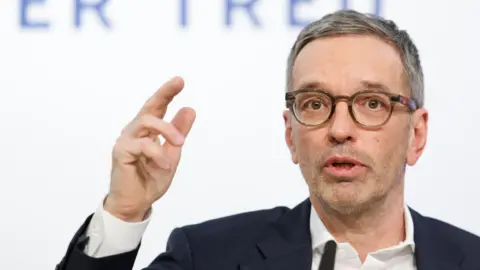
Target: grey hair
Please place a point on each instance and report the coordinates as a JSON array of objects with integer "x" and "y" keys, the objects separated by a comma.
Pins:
[{"x": 345, "y": 22}]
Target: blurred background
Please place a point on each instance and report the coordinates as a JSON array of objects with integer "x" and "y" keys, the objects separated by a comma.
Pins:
[{"x": 75, "y": 72}]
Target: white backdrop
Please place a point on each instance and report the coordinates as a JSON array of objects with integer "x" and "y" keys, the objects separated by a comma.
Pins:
[{"x": 66, "y": 92}]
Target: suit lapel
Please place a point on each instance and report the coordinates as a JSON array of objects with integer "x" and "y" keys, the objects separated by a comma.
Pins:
[
  {"x": 287, "y": 244},
  {"x": 433, "y": 249}
]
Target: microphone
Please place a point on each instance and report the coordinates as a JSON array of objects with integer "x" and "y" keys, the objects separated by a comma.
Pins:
[{"x": 328, "y": 257}]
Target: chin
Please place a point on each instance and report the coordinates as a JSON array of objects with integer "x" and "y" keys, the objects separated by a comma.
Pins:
[
  {"x": 344, "y": 198},
  {"x": 348, "y": 207}
]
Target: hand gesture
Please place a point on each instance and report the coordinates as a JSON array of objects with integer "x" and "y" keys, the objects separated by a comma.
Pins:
[{"x": 143, "y": 167}]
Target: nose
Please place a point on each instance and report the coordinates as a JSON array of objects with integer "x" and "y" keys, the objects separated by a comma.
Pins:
[{"x": 341, "y": 128}]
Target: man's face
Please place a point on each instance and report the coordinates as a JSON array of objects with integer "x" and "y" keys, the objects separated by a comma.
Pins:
[{"x": 340, "y": 66}]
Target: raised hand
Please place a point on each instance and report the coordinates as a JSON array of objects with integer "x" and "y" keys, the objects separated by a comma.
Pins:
[{"x": 142, "y": 167}]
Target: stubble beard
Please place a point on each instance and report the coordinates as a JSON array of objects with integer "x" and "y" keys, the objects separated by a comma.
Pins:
[
  {"x": 366, "y": 194},
  {"x": 360, "y": 198}
]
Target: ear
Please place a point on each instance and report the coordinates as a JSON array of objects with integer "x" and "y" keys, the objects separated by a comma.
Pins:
[
  {"x": 418, "y": 136},
  {"x": 287, "y": 117}
]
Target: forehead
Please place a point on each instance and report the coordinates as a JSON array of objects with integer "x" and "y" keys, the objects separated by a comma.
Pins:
[{"x": 343, "y": 64}]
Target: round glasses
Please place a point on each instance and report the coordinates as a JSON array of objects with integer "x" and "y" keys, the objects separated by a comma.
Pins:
[{"x": 369, "y": 108}]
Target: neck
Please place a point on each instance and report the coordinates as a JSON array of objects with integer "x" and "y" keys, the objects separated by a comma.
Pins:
[{"x": 383, "y": 221}]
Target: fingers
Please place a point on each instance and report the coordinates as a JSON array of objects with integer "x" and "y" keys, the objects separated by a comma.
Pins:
[
  {"x": 158, "y": 102},
  {"x": 129, "y": 150},
  {"x": 140, "y": 137},
  {"x": 183, "y": 122},
  {"x": 149, "y": 125}
]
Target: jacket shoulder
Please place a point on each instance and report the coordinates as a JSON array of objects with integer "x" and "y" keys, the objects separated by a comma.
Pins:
[
  {"x": 462, "y": 238},
  {"x": 219, "y": 240},
  {"x": 241, "y": 223}
]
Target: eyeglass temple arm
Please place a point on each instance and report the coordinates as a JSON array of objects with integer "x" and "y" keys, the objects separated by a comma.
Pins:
[
  {"x": 410, "y": 103},
  {"x": 289, "y": 99}
]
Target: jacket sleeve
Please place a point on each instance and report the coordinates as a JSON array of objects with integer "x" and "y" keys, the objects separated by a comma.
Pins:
[{"x": 176, "y": 257}]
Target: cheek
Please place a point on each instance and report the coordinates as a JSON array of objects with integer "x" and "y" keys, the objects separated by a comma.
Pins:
[
  {"x": 379, "y": 143},
  {"x": 308, "y": 141},
  {"x": 389, "y": 148}
]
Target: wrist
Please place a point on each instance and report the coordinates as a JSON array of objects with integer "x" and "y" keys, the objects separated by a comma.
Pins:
[{"x": 124, "y": 213}]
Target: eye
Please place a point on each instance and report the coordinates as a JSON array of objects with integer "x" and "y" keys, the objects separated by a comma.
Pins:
[
  {"x": 314, "y": 104},
  {"x": 373, "y": 104}
]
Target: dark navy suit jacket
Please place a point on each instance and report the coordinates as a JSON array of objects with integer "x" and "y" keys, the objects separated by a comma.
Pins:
[{"x": 276, "y": 239}]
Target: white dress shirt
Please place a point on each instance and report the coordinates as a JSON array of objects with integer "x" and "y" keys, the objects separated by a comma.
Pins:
[
  {"x": 110, "y": 235},
  {"x": 399, "y": 257}
]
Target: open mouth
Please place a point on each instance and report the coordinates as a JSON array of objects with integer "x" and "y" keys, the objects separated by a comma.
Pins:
[
  {"x": 342, "y": 162},
  {"x": 343, "y": 165}
]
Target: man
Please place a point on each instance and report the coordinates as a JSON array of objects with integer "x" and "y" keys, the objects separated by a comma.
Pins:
[{"x": 354, "y": 120}]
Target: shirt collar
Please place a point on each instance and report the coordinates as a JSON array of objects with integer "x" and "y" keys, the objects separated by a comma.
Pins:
[{"x": 320, "y": 234}]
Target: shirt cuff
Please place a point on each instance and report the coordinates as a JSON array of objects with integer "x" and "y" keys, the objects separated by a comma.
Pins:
[{"x": 109, "y": 235}]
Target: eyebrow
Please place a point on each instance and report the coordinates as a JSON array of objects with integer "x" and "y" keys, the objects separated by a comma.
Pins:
[
  {"x": 365, "y": 84},
  {"x": 312, "y": 85},
  {"x": 370, "y": 85}
]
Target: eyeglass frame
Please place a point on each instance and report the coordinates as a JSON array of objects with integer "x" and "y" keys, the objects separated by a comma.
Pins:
[{"x": 393, "y": 98}]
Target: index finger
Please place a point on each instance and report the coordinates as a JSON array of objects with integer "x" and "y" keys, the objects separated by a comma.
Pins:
[{"x": 158, "y": 102}]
